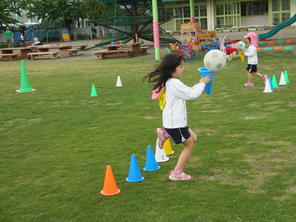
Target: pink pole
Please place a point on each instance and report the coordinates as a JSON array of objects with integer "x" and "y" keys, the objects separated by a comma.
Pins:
[{"x": 156, "y": 34}]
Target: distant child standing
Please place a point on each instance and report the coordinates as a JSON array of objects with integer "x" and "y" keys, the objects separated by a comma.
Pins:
[
  {"x": 8, "y": 35},
  {"x": 174, "y": 117},
  {"x": 251, "y": 53}
]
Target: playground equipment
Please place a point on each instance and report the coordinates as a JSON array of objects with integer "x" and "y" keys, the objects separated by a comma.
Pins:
[
  {"x": 131, "y": 20},
  {"x": 193, "y": 40},
  {"x": 278, "y": 27},
  {"x": 189, "y": 32},
  {"x": 186, "y": 49}
]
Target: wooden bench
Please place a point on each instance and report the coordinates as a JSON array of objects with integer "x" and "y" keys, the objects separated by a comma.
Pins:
[
  {"x": 144, "y": 50},
  {"x": 42, "y": 55},
  {"x": 114, "y": 53},
  {"x": 73, "y": 52},
  {"x": 81, "y": 47},
  {"x": 8, "y": 57}
]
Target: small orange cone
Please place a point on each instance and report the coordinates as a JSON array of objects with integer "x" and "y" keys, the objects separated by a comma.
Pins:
[{"x": 110, "y": 186}]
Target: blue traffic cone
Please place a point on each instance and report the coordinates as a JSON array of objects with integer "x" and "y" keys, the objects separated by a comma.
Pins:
[
  {"x": 134, "y": 174},
  {"x": 270, "y": 81},
  {"x": 151, "y": 164}
]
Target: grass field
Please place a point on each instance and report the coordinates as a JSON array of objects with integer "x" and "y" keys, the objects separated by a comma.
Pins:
[{"x": 57, "y": 141}]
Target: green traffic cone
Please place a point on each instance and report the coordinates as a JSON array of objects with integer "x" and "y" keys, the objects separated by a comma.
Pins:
[
  {"x": 286, "y": 76},
  {"x": 274, "y": 82},
  {"x": 93, "y": 91},
  {"x": 25, "y": 83}
]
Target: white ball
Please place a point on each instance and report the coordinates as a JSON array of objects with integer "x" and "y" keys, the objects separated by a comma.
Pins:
[{"x": 215, "y": 60}]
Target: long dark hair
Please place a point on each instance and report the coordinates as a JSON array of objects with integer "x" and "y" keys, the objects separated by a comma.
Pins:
[
  {"x": 164, "y": 70},
  {"x": 249, "y": 40}
]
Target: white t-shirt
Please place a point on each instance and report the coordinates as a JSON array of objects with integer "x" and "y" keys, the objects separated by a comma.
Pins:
[
  {"x": 174, "y": 114},
  {"x": 252, "y": 55}
]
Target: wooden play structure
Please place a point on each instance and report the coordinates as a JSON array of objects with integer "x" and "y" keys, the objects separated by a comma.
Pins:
[
  {"x": 189, "y": 32},
  {"x": 121, "y": 50}
]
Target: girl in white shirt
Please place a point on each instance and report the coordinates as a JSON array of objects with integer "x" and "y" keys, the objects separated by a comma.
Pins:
[
  {"x": 251, "y": 53},
  {"x": 174, "y": 116}
]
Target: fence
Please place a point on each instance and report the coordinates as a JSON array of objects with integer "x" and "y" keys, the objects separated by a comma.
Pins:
[
  {"x": 47, "y": 36},
  {"x": 89, "y": 32}
]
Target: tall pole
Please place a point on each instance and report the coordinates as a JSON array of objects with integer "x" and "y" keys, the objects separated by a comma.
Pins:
[
  {"x": 192, "y": 11},
  {"x": 135, "y": 27},
  {"x": 155, "y": 30}
]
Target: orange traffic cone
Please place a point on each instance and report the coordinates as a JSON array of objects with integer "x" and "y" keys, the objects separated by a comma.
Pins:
[{"x": 110, "y": 186}]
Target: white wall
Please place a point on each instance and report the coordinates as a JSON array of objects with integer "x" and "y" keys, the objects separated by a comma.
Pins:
[{"x": 254, "y": 20}]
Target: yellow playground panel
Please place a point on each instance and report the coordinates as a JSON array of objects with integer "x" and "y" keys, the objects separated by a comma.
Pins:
[
  {"x": 205, "y": 37},
  {"x": 189, "y": 31}
]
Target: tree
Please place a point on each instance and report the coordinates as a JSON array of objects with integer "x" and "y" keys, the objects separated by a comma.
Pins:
[
  {"x": 63, "y": 11},
  {"x": 93, "y": 9},
  {"x": 7, "y": 9}
]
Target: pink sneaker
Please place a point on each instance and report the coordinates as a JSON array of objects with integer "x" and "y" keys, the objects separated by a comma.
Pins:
[
  {"x": 162, "y": 136},
  {"x": 249, "y": 84},
  {"x": 179, "y": 175}
]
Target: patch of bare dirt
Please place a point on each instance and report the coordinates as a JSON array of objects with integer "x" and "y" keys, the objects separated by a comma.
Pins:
[
  {"x": 151, "y": 117},
  {"x": 277, "y": 143},
  {"x": 253, "y": 117},
  {"x": 212, "y": 111},
  {"x": 283, "y": 197},
  {"x": 114, "y": 104},
  {"x": 235, "y": 135}
]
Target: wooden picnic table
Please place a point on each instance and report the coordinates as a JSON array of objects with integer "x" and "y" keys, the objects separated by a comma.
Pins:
[
  {"x": 121, "y": 50},
  {"x": 112, "y": 47},
  {"x": 134, "y": 46},
  {"x": 63, "y": 50},
  {"x": 81, "y": 46},
  {"x": 23, "y": 51}
]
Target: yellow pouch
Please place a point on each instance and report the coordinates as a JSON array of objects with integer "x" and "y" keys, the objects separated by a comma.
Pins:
[
  {"x": 162, "y": 99},
  {"x": 241, "y": 55}
]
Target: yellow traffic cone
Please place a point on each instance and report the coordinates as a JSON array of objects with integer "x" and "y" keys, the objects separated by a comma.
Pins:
[{"x": 168, "y": 147}]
